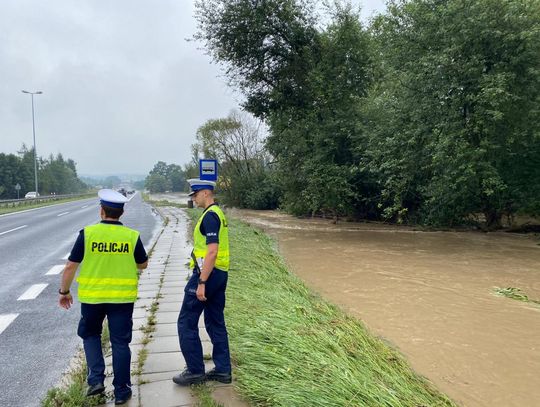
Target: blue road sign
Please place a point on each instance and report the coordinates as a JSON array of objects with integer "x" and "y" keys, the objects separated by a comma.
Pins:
[{"x": 208, "y": 169}]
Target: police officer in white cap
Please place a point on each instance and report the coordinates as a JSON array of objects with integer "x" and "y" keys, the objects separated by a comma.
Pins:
[
  {"x": 110, "y": 255},
  {"x": 205, "y": 291}
]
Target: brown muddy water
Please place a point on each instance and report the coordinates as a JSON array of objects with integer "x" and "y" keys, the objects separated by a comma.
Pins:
[{"x": 430, "y": 295}]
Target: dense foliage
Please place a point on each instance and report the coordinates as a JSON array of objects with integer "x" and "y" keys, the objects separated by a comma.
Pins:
[
  {"x": 454, "y": 121},
  {"x": 165, "y": 177},
  {"x": 55, "y": 175},
  {"x": 430, "y": 114}
]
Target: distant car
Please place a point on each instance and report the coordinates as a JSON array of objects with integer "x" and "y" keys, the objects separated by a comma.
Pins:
[{"x": 31, "y": 194}]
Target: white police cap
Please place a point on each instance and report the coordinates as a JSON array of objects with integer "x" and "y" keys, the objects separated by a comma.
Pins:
[
  {"x": 112, "y": 198},
  {"x": 197, "y": 184}
]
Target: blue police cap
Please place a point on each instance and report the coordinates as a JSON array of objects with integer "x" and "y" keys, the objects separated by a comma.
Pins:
[
  {"x": 197, "y": 184},
  {"x": 111, "y": 198}
]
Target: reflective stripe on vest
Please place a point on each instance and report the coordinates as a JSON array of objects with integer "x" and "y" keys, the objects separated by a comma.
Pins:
[
  {"x": 199, "y": 240},
  {"x": 108, "y": 270}
]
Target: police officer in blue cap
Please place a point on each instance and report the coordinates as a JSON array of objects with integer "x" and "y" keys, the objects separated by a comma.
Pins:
[
  {"x": 110, "y": 255},
  {"x": 205, "y": 291}
]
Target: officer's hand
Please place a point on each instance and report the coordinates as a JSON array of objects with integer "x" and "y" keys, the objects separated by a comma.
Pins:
[
  {"x": 201, "y": 288},
  {"x": 65, "y": 301}
]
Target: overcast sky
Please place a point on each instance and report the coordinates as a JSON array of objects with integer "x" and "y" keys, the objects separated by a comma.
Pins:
[{"x": 122, "y": 88}]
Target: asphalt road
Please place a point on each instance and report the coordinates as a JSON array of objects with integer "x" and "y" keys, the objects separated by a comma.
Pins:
[{"x": 37, "y": 337}]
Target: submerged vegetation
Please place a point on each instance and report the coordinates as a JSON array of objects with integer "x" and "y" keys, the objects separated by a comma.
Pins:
[{"x": 515, "y": 294}]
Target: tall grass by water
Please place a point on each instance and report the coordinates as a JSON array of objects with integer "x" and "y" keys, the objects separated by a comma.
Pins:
[{"x": 292, "y": 348}]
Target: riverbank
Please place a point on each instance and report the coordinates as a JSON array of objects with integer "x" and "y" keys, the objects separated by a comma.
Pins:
[
  {"x": 436, "y": 296},
  {"x": 292, "y": 348}
]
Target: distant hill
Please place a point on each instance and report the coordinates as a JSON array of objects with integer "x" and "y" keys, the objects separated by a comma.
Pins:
[{"x": 123, "y": 177}]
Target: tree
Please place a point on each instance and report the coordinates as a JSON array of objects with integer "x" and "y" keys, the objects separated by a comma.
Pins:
[
  {"x": 454, "y": 120},
  {"x": 236, "y": 142},
  {"x": 165, "y": 177},
  {"x": 156, "y": 183},
  {"x": 267, "y": 47},
  {"x": 55, "y": 174},
  {"x": 177, "y": 177},
  {"x": 307, "y": 85}
]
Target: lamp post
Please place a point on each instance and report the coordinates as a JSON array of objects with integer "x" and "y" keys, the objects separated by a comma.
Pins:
[{"x": 34, "y": 134}]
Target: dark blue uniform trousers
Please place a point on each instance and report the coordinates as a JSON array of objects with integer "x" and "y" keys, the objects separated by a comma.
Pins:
[
  {"x": 214, "y": 321},
  {"x": 120, "y": 318}
]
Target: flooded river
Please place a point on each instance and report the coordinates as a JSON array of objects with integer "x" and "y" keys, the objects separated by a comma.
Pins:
[{"x": 430, "y": 294}]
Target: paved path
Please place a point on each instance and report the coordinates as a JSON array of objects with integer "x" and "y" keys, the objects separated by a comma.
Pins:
[{"x": 163, "y": 282}]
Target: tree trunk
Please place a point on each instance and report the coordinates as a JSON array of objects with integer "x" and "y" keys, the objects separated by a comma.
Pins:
[{"x": 493, "y": 219}]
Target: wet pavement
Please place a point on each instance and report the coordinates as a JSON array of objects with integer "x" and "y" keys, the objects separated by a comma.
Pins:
[
  {"x": 163, "y": 282},
  {"x": 431, "y": 295}
]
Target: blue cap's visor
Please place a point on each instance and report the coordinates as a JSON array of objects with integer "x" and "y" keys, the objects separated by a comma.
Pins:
[
  {"x": 197, "y": 188},
  {"x": 111, "y": 204}
]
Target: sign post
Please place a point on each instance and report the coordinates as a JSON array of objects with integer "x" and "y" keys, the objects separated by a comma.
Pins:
[
  {"x": 208, "y": 169},
  {"x": 17, "y": 188}
]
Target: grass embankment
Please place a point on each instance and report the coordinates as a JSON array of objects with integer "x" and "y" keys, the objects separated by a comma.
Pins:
[
  {"x": 292, "y": 348},
  {"x": 26, "y": 206}
]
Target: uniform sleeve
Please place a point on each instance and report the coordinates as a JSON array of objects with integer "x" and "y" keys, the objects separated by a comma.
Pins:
[
  {"x": 140, "y": 252},
  {"x": 77, "y": 252},
  {"x": 210, "y": 227}
]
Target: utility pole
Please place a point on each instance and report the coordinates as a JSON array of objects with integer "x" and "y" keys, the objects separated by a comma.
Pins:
[{"x": 34, "y": 134}]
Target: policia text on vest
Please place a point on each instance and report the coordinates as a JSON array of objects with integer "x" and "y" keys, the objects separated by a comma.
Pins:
[{"x": 111, "y": 247}]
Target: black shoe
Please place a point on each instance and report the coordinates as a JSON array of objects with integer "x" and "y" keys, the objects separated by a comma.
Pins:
[
  {"x": 186, "y": 378},
  {"x": 95, "y": 389},
  {"x": 218, "y": 376},
  {"x": 122, "y": 400}
]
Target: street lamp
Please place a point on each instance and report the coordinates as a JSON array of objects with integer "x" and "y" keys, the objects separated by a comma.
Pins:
[{"x": 34, "y": 134}]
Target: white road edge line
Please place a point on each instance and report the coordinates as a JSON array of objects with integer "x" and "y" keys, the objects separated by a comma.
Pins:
[
  {"x": 6, "y": 320},
  {"x": 55, "y": 270},
  {"x": 13, "y": 230},
  {"x": 62, "y": 214},
  {"x": 32, "y": 292}
]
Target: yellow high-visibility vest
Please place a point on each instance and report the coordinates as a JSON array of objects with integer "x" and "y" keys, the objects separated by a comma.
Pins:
[
  {"x": 108, "y": 270},
  {"x": 200, "y": 249}
]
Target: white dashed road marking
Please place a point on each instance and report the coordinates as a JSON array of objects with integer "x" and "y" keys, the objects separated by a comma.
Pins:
[
  {"x": 13, "y": 230},
  {"x": 32, "y": 292},
  {"x": 55, "y": 270},
  {"x": 66, "y": 256},
  {"x": 62, "y": 214},
  {"x": 5, "y": 320},
  {"x": 85, "y": 206}
]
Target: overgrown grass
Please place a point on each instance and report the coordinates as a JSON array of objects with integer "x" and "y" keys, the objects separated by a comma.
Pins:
[
  {"x": 515, "y": 294},
  {"x": 203, "y": 393},
  {"x": 73, "y": 394},
  {"x": 24, "y": 207},
  {"x": 292, "y": 348}
]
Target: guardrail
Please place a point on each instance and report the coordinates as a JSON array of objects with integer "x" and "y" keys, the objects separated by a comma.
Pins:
[{"x": 12, "y": 203}]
